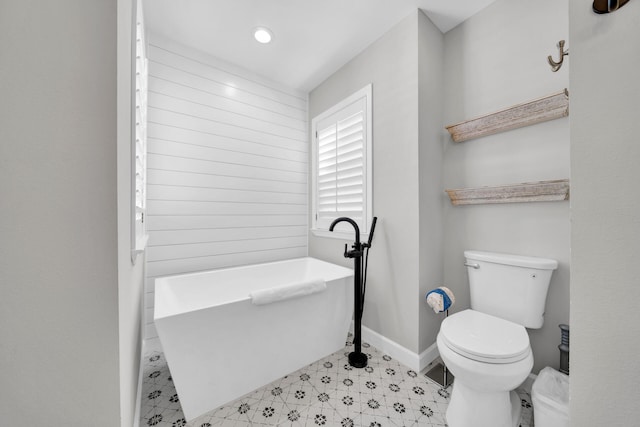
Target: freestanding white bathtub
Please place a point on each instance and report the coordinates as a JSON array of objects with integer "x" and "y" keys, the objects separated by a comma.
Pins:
[{"x": 220, "y": 346}]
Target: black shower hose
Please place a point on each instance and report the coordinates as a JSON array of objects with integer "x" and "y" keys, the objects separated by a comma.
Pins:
[{"x": 364, "y": 283}]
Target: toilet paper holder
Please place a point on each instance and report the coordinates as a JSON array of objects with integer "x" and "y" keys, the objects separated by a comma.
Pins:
[{"x": 439, "y": 372}]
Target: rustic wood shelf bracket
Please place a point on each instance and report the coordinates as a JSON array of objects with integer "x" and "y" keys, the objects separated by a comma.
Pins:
[
  {"x": 550, "y": 107},
  {"x": 543, "y": 191}
]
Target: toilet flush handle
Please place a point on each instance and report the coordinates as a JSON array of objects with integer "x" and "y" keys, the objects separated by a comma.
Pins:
[{"x": 476, "y": 266}]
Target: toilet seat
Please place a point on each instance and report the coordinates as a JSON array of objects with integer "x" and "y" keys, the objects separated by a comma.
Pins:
[{"x": 485, "y": 338}]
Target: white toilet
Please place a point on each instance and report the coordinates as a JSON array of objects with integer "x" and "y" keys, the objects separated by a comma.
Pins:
[{"x": 487, "y": 347}]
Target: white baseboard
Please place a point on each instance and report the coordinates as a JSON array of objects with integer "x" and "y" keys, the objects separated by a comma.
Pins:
[
  {"x": 428, "y": 356},
  {"x": 136, "y": 413},
  {"x": 417, "y": 362}
]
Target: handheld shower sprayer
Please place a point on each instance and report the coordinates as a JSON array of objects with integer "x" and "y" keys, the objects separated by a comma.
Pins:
[
  {"x": 357, "y": 359},
  {"x": 372, "y": 230}
]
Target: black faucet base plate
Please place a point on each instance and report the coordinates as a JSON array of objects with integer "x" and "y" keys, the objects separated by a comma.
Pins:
[{"x": 357, "y": 360}]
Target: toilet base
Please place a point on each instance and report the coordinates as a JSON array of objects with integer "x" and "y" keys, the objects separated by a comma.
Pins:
[{"x": 469, "y": 407}]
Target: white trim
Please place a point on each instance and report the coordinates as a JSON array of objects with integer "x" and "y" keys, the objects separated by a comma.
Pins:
[
  {"x": 148, "y": 346},
  {"x": 139, "y": 82},
  {"x": 141, "y": 245},
  {"x": 428, "y": 356},
  {"x": 366, "y": 93},
  {"x": 138, "y": 408},
  {"x": 392, "y": 348},
  {"x": 398, "y": 352},
  {"x": 338, "y": 234}
]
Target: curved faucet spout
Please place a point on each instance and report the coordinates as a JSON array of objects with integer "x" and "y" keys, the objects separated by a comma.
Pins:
[{"x": 350, "y": 221}]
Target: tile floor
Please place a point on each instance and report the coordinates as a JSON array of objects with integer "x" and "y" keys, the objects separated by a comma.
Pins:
[{"x": 326, "y": 393}]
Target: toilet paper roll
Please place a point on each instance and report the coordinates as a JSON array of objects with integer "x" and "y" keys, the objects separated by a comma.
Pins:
[{"x": 440, "y": 299}]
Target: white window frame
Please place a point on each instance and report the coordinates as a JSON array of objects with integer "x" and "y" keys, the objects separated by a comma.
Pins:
[
  {"x": 139, "y": 235},
  {"x": 344, "y": 230}
]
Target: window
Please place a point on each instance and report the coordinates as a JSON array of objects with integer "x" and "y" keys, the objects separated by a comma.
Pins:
[
  {"x": 138, "y": 151},
  {"x": 342, "y": 166}
]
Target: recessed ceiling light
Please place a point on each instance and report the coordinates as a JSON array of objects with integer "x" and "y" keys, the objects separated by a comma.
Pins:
[{"x": 263, "y": 35}]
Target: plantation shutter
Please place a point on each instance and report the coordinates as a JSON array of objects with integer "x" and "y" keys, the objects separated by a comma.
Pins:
[
  {"x": 141, "y": 136},
  {"x": 139, "y": 150},
  {"x": 341, "y": 166}
]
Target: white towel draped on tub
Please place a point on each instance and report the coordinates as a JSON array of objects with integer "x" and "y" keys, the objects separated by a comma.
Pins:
[{"x": 288, "y": 291}]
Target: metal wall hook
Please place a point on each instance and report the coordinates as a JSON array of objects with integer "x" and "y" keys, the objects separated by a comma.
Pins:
[
  {"x": 555, "y": 66},
  {"x": 607, "y": 6}
]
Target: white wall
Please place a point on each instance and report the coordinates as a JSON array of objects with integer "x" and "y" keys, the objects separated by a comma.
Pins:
[
  {"x": 605, "y": 235},
  {"x": 431, "y": 93},
  {"x": 58, "y": 223},
  {"x": 391, "y": 64},
  {"x": 496, "y": 59},
  {"x": 227, "y": 166}
]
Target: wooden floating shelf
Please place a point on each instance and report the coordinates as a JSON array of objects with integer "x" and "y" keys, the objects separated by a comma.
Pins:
[
  {"x": 540, "y": 110},
  {"x": 543, "y": 191}
]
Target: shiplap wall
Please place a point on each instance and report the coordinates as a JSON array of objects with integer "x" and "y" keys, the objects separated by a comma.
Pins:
[{"x": 227, "y": 167}]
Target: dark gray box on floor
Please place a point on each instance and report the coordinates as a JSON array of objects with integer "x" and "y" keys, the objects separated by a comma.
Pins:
[{"x": 440, "y": 375}]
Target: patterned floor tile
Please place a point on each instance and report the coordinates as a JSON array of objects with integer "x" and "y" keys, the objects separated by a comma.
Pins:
[{"x": 328, "y": 392}]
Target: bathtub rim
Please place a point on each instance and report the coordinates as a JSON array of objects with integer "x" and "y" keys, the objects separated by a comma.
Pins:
[{"x": 163, "y": 282}]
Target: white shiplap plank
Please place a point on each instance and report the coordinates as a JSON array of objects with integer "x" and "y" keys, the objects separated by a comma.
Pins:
[
  {"x": 222, "y": 168},
  {"x": 151, "y": 286},
  {"x": 201, "y": 180},
  {"x": 188, "y": 265},
  {"x": 161, "y": 72},
  {"x": 195, "y": 222},
  {"x": 200, "y": 250},
  {"x": 173, "y": 86},
  {"x": 192, "y": 62},
  {"x": 148, "y": 299},
  {"x": 176, "y": 237},
  {"x": 170, "y": 116},
  {"x": 170, "y": 148},
  {"x": 231, "y": 118},
  {"x": 227, "y": 167},
  {"x": 148, "y": 314},
  {"x": 166, "y": 132},
  {"x": 207, "y": 208},
  {"x": 174, "y": 192}
]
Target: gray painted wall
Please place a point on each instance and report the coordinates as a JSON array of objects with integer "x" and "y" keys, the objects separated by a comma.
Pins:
[
  {"x": 605, "y": 235},
  {"x": 496, "y": 59},
  {"x": 391, "y": 64},
  {"x": 59, "y": 345},
  {"x": 431, "y": 92}
]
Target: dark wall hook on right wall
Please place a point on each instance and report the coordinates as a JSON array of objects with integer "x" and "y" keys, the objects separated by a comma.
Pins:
[{"x": 607, "y": 6}]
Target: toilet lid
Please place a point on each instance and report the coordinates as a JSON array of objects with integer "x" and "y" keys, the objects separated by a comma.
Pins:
[{"x": 485, "y": 338}]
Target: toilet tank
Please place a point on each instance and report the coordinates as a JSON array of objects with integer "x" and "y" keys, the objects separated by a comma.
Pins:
[{"x": 511, "y": 287}]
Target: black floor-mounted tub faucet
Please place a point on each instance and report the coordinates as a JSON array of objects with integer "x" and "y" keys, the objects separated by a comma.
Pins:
[{"x": 357, "y": 358}]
